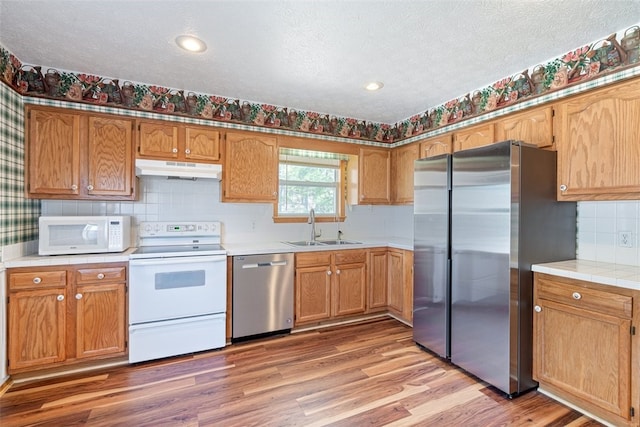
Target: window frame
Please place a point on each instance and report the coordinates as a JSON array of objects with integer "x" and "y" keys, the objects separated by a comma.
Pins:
[{"x": 303, "y": 218}]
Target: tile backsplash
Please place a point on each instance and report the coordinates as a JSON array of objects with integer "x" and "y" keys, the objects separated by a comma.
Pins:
[
  {"x": 163, "y": 199},
  {"x": 608, "y": 231}
]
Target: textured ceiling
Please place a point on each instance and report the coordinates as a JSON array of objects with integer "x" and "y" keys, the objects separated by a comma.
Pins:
[{"x": 311, "y": 55}]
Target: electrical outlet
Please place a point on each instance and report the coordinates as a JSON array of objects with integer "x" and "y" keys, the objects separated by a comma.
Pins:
[{"x": 625, "y": 239}]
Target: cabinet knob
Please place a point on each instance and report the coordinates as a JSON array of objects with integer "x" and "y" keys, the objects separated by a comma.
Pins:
[
  {"x": 187, "y": 151},
  {"x": 537, "y": 309},
  {"x": 74, "y": 187},
  {"x": 337, "y": 271},
  {"x": 60, "y": 297},
  {"x": 78, "y": 296},
  {"x": 90, "y": 187},
  {"x": 563, "y": 187},
  {"x": 576, "y": 295},
  {"x": 175, "y": 150},
  {"x": 100, "y": 276},
  {"x": 328, "y": 272},
  {"x": 37, "y": 280}
]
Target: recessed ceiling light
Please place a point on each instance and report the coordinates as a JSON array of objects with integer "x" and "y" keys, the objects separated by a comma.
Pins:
[
  {"x": 374, "y": 86},
  {"x": 191, "y": 43}
]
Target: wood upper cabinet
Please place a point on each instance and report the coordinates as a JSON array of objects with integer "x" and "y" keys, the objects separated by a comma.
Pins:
[
  {"x": 402, "y": 159},
  {"x": 250, "y": 172},
  {"x": 374, "y": 171},
  {"x": 330, "y": 284},
  {"x": 78, "y": 155},
  {"x": 597, "y": 141},
  {"x": 533, "y": 126},
  {"x": 202, "y": 144},
  {"x": 165, "y": 140},
  {"x": 441, "y": 144},
  {"x": 377, "y": 292},
  {"x": 584, "y": 350},
  {"x": 53, "y": 152},
  {"x": 110, "y": 157},
  {"x": 158, "y": 140},
  {"x": 64, "y": 315},
  {"x": 474, "y": 136}
]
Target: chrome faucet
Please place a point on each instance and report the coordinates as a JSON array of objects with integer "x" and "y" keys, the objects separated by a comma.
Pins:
[{"x": 312, "y": 221}]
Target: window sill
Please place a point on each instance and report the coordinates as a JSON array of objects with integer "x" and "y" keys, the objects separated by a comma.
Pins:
[{"x": 305, "y": 219}]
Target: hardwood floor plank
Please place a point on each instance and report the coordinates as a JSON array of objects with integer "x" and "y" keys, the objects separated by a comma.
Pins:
[{"x": 368, "y": 373}]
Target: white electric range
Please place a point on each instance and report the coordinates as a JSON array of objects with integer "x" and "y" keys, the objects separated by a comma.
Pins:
[{"x": 177, "y": 290}]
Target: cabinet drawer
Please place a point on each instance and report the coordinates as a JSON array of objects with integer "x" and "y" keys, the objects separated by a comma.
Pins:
[
  {"x": 585, "y": 298},
  {"x": 37, "y": 279},
  {"x": 350, "y": 257},
  {"x": 309, "y": 259},
  {"x": 105, "y": 274}
]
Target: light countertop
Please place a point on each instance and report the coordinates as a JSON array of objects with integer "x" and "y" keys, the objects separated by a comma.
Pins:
[
  {"x": 253, "y": 248},
  {"x": 36, "y": 260},
  {"x": 258, "y": 248},
  {"x": 623, "y": 276}
]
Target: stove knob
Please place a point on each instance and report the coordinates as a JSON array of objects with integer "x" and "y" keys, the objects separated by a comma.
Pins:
[
  {"x": 190, "y": 227},
  {"x": 205, "y": 227},
  {"x": 147, "y": 228},
  {"x": 213, "y": 227}
]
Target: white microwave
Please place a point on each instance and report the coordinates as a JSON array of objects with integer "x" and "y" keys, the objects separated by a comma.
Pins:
[{"x": 62, "y": 235}]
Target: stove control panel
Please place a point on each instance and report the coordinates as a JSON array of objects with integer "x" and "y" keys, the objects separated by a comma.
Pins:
[{"x": 167, "y": 229}]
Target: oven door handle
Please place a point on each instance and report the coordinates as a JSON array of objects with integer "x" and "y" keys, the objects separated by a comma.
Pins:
[{"x": 177, "y": 260}]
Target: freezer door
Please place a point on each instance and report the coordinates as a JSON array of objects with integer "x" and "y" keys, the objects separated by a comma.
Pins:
[
  {"x": 431, "y": 290},
  {"x": 481, "y": 241}
]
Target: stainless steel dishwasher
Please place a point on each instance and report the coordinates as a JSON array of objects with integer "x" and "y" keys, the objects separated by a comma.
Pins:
[{"x": 262, "y": 295}]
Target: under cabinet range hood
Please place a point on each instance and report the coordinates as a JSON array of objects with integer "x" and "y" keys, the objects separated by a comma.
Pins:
[{"x": 184, "y": 170}]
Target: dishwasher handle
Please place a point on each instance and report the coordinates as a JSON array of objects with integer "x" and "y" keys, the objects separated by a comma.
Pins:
[{"x": 264, "y": 264}]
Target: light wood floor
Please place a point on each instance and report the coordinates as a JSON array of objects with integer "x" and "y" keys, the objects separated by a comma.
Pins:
[{"x": 369, "y": 373}]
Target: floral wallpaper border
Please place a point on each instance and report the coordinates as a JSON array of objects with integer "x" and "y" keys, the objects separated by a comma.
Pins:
[{"x": 618, "y": 51}]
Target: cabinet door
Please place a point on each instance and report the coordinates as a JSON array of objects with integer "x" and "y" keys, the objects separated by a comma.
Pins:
[
  {"x": 202, "y": 144},
  {"x": 313, "y": 294},
  {"x": 374, "y": 175},
  {"x": 597, "y": 145},
  {"x": 250, "y": 172},
  {"x": 350, "y": 289},
  {"x": 441, "y": 144},
  {"x": 53, "y": 152},
  {"x": 37, "y": 327},
  {"x": 100, "y": 319},
  {"x": 395, "y": 282},
  {"x": 110, "y": 157},
  {"x": 158, "y": 140},
  {"x": 402, "y": 173},
  {"x": 585, "y": 353},
  {"x": 377, "y": 298},
  {"x": 534, "y": 126},
  {"x": 474, "y": 136}
]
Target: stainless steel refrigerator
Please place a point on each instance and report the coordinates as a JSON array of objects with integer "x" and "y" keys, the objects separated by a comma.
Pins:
[{"x": 481, "y": 218}]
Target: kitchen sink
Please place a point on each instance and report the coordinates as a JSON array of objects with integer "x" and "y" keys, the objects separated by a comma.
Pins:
[
  {"x": 323, "y": 242},
  {"x": 340, "y": 242},
  {"x": 306, "y": 243}
]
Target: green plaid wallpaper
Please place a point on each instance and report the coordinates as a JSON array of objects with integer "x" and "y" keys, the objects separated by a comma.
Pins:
[{"x": 18, "y": 215}]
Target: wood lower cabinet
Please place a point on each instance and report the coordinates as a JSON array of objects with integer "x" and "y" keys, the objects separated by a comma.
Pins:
[
  {"x": 585, "y": 349},
  {"x": 400, "y": 284},
  {"x": 474, "y": 136},
  {"x": 377, "y": 293},
  {"x": 164, "y": 140},
  {"x": 250, "y": 171},
  {"x": 402, "y": 160},
  {"x": 374, "y": 172},
  {"x": 330, "y": 284},
  {"x": 59, "y": 316},
  {"x": 597, "y": 142},
  {"x": 533, "y": 126},
  {"x": 78, "y": 155}
]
